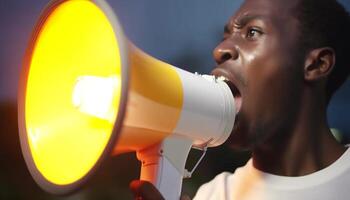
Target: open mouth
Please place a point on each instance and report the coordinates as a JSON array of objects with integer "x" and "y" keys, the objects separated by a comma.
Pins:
[{"x": 236, "y": 93}]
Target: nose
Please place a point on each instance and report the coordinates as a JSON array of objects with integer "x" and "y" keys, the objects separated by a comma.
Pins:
[{"x": 224, "y": 52}]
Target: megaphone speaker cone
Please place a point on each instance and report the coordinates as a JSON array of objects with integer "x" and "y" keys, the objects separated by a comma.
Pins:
[{"x": 64, "y": 131}]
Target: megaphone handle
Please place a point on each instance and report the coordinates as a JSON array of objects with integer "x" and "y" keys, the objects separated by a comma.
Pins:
[{"x": 163, "y": 165}]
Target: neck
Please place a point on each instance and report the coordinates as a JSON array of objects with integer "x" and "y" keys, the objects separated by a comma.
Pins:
[{"x": 308, "y": 147}]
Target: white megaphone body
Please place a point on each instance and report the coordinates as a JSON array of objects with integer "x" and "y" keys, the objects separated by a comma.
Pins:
[{"x": 86, "y": 92}]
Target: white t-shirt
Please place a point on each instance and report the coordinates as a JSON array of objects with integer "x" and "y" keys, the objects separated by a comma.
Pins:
[{"x": 248, "y": 183}]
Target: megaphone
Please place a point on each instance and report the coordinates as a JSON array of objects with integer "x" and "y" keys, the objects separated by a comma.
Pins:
[{"x": 86, "y": 93}]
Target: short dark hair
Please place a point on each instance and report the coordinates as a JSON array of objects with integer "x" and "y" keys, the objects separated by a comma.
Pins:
[{"x": 326, "y": 23}]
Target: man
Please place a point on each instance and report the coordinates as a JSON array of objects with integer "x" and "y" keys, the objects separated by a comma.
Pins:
[{"x": 286, "y": 58}]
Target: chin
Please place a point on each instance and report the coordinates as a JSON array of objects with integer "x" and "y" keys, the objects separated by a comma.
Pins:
[
  {"x": 240, "y": 140},
  {"x": 244, "y": 136}
]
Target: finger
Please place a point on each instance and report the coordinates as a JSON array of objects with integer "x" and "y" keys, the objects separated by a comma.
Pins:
[
  {"x": 185, "y": 197},
  {"x": 146, "y": 190}
]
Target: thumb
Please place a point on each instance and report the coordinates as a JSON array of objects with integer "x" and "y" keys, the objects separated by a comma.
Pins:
[{"x": 145, "y": 190}]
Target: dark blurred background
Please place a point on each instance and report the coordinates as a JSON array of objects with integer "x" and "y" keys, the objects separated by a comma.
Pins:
[{"x": 182, "y": 33}]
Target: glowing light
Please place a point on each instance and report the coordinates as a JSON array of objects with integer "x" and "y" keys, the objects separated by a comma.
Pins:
[
  {"x": 95, "y": 96},
  {"x": 76, "y": 40}
]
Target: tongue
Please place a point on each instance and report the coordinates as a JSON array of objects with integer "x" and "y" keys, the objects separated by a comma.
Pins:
[{"x": 238, "y": 103}]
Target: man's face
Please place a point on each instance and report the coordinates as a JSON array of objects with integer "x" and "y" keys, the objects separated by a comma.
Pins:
[{"x": 259, "y": 56}]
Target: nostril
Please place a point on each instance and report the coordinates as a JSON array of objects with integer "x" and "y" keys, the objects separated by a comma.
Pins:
[
  {"x": 226, "y": 56},
  {"x": 225, "y": 51},
  {"x": 223, "y": 55}
]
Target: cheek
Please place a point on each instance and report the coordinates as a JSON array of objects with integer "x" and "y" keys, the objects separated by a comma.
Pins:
[
  {"x": 273, "y": 87},
  {"x": 270, "y": 106}
]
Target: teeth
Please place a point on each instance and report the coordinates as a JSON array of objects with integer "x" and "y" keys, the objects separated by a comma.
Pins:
[
  {"x": 213, "y": 78},
  {"x": 221, "y": 78}
]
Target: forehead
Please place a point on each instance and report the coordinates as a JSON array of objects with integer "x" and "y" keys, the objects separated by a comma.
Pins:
[{"x": 273, "y": 10}]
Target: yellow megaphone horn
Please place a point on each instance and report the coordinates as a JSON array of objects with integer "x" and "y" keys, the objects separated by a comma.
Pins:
[{"x": 86, "y": 92}]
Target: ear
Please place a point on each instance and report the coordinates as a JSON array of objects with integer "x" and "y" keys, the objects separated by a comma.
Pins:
[{"x": 319, "y": 63}]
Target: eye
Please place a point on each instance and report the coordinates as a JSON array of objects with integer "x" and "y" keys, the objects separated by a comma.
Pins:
[{"x": 253, "y": 33}]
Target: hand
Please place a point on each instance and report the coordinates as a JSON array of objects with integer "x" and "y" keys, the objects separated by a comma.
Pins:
[{"x": 144, "y": 190}]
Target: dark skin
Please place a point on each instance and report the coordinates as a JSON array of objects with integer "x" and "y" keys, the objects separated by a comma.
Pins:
[{"x": 283, "y": 117}]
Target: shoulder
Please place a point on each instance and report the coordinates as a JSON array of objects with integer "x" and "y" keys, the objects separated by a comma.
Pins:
[
  {"x": 214, "y": 188},
  {"x": 219, "y": 187}
]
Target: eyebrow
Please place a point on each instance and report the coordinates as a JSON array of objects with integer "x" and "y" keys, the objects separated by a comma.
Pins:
[{"x": 242, "y": 21}]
